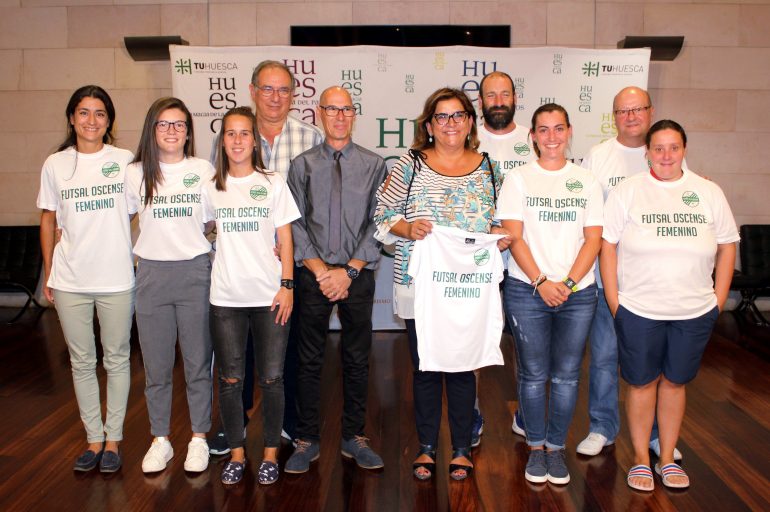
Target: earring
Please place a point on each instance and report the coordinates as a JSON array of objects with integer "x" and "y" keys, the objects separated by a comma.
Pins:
[{"x": 430, "y": 139}]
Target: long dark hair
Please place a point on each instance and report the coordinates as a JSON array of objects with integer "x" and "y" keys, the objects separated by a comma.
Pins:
[
  {"x": 222, "y": 163},
  {"x": 548, "y": 107},
  {"x": 147, "y": 153},
  {"x": 88, "y": 91},
  {"x": 421, "y": 140}
]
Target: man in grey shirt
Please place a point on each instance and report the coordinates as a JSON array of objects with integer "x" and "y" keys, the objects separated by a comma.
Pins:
[{"x": 334, "y": 185}]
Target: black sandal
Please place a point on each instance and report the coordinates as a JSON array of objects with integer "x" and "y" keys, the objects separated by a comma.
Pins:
[
  {"x": 457, "y": 453},
  {"x": 430, "y": 467}
]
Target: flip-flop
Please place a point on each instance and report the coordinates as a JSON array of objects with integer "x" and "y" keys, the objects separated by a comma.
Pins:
[
  {"x": 640, "y": 471},
  {"x": 670, "y": 470}
]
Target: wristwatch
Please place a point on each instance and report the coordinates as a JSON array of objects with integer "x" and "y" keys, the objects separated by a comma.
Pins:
[
  {"x": 287, "y": 283},
  {"x": 571, "y": 284},
  {"x": 351, "y": 271}
]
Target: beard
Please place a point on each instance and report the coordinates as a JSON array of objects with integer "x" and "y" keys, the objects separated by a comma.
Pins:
[{"x": 498, "y": 117}]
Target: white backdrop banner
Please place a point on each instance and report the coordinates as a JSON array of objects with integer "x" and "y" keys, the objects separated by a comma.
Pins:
[{"x": 389, "y": 86}]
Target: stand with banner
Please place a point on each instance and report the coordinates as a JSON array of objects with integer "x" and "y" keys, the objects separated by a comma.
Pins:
[{"x": 389, "y": 86}]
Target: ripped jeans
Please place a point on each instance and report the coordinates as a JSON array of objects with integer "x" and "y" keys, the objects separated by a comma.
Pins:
[
  {"x": 550, "y": 343},
  {"x": 229, "y": 328}
]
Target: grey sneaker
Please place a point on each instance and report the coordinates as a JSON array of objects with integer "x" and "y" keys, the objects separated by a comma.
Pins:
[
  {"x": 557, "y": 467},
  {"x": 536, "y": 471},
  {"x": 358, "y": 448},
  {"x": 305, "y": 453}
]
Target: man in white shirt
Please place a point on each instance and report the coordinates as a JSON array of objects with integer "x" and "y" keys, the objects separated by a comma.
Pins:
[
  {"x": 508, "y": 144},
  {"x": 282, "y": 138},
  {"x": 612, "y": 161},
  {"x": 500, "y": 136}
]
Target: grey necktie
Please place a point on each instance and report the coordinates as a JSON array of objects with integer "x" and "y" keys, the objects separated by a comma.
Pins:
[{"x": 335, "y": 206}]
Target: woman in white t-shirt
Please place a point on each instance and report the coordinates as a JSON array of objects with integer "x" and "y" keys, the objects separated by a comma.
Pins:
[
  {"x": 82, "y": 192},
  {"x": 553, "y": 210},
  {"x": 173, "y": 275},
  {"x": 666, "y": 232},
  {"x": 250, "y": 286}
]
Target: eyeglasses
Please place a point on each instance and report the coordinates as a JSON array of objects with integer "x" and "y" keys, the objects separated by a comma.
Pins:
[
  {"x": 332, "y": 110},
  {"x": 457, "y": 117},
  {"x": 636, "y": 110},
  {"x": 179, "y": 126},
  {"x": 268, "y": 90}
]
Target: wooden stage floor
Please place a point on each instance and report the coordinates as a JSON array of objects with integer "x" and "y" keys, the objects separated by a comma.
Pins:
[{"x": 725, "y": 441}]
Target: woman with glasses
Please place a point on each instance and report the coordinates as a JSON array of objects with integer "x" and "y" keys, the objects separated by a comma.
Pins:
[
  {"x": 443, "y": 180},
  {"x": 666, "y": 232},
  {"x": 250, "y": 286},
  {"x": 173, "y": 274},
  {"x": 81, "y": 193},
  {"x": 553, "y": 210}
]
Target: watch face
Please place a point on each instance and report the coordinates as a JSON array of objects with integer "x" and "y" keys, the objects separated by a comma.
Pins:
[{"x": 352, "y": 272}]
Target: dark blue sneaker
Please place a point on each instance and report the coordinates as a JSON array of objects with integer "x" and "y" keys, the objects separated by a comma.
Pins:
[{"x": 478, "y": 428}]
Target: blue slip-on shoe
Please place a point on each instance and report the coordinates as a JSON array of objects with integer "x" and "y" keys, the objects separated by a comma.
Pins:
[
  {"x": 233, "y": 472},
  {"x": 111, "y": 461},
  {"x": 88, "y": 460},
  {"x": 478, "y": 428},
  {"x": 268, "y": 472}
]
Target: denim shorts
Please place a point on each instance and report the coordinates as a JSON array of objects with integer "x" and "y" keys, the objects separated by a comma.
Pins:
[{"x": 647, "y": 348}]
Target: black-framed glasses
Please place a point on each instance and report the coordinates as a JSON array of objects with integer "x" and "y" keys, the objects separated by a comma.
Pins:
[
  {"x": 332, "y": 110},
  {"x": 268, "y": 90},
  {"x": 179, "y": 126},
  {"x": 622, "y": 112},
  {"x": 457, "y": 117}
]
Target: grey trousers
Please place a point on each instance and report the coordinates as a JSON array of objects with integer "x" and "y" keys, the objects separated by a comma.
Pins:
[{"x": 173, "y": 297}]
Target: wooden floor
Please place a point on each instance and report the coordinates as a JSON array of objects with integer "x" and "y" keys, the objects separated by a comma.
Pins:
[{"x": 725, "y": 441}]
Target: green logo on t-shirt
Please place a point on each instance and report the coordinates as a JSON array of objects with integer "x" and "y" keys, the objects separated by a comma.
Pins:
[
  {"x": 258, "y": 192},
  {"x": 481, "y": 257},
  {"x": 521, "y": 149},
  {"x": 110, "y": 169},
  {"x": 690, "y": 198},
  {"x": 574, "y": 185},
  {"x": 190, "y": 180}
]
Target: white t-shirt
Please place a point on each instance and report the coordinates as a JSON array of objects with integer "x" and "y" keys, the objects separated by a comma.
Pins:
[
  {"x": 457, "y": 307},
  {"x": 246, "y": 272},
  {"x": 511, "y": 150},
  {"x": 667, "y": 235},
  {"x": 612, "y": 162},
  {"x": 554, "y": 206},
  {"x": 94, "y": 253},
  {"x": 171, "y": 227}
]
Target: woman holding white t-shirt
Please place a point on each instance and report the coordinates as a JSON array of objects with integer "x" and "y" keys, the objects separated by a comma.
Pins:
[
  {"x": 173, "y": 275},
  {"x": 250, "y": 286},
  {"x": 82, "y": 192},
  {"x": 553, "y": 211},
  {"x": 666, "y": 232}
]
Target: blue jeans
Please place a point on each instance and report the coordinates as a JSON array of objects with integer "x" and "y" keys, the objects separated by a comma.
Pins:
[
  {"x": 603, "y": 376},
  {"x": 549, "y": 347}
]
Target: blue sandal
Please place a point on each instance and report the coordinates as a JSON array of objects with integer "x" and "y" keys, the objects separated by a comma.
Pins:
[
  {"x": 268, "y": 472},
  {"x": 454, "y": 468},
  {"x": 233, "y": 472}
]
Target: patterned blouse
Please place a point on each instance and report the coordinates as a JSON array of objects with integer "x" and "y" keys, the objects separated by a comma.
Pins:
[{"x": 415, "y": 191}]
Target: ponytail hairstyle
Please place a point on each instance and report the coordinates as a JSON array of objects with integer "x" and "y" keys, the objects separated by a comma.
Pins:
[{"x": 222, "y": 164}]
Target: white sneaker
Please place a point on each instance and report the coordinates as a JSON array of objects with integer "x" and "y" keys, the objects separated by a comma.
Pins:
[
  {"x": 197, "y": 455},
  {"x": 593, "y": 444},
  {"x": 655, "y": 446},
  {"x": 157, "y": 456}
]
